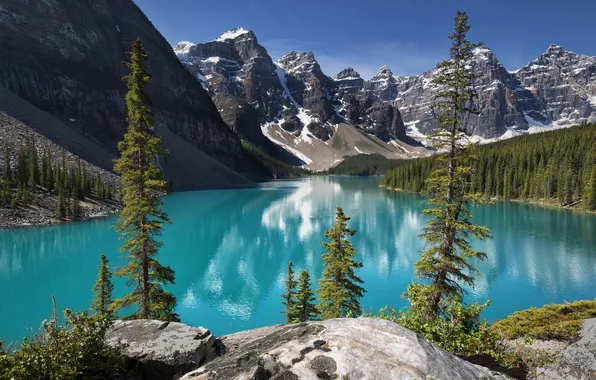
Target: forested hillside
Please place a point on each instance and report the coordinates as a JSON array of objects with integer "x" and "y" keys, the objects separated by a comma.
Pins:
[
  {"x": 364, "y": 164},
  {"x": 556, "y": 167}
]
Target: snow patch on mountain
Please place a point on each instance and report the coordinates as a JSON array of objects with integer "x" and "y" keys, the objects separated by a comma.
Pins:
[
  {"x": 305, "y": 135},
  {"x": 231, "y": 34},
  {"x": 182, "y": 48}
]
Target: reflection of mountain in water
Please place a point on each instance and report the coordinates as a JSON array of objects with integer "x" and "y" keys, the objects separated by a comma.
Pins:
[{"x": 230, "y": 249}]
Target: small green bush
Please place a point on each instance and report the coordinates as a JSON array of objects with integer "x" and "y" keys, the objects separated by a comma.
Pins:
[{"x": 73, "y": 351}]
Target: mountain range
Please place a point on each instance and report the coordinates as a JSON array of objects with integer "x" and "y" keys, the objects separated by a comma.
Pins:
[
  {"x": 60, "y": 78},
  {"x": 302, "y": 110}
]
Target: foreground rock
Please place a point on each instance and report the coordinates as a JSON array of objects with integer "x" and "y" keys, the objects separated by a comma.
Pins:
[
  {"x": 362, "y": 348},
  {"x": 162, "y": 350},
  {"x": 578, "y": 360}
]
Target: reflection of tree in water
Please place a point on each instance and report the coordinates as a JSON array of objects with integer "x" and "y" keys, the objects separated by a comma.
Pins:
[
  {"x": 230, "y": 248},
  {"x": 551, "y": 249},
  {"x": 236, "y": 260}
]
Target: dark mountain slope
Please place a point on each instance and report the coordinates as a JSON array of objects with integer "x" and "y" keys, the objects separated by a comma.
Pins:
[{"x": 64, "y": 57}]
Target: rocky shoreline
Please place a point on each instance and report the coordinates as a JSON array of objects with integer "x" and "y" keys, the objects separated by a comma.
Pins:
[{"x": 42, "y": 213}]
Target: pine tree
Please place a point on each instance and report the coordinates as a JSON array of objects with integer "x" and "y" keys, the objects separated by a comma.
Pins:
[
  {"x": 60, "y": 208},
  {"x": 33, "y": 166},
  {"x": 339, "y": 289},
  {"x": 590, "y": 190},
  {"x": 288, "y": 297},
  {"x": 7, "y": 172},
  {"x": 444, "y": 262},
  {"x": 77, "y": 209},
  {"x": 103, "y": 290},
  {"x": 304, "y": 308},
  {"x": 22, "y": 167},
  {"x": 141, "y": 219}
]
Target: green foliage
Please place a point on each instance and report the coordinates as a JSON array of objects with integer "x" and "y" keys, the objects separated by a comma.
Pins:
[
  {"x": 73, "y": 351},
  {"x": 277, "y": 168},
  {"x": 289, "y": 298},
  {"x": 60, "y": 207},
  {"x": 141, "y": 219},
  {"x": 33, "y": 176},
  {"x": 363, "y": 165},
  {"x": 444, "y": 261},
  {"x": 460, "y": 330},
  {"x": 7, "y": 168},
  {"x": 548, "y": 322},
  {"x": 102, "y": 289},
  {"x": 304, "y": 308},
  {"x": 339, "y": 290},
  {"x": 553, "y": 167}
]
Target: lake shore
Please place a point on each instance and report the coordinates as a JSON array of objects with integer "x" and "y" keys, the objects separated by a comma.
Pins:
[
  {"x": 550, "y": 203},
  {"x": 42, "y": 213}
]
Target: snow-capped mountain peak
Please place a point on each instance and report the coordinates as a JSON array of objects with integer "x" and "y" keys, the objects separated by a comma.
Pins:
[
  {"x": 232, "y": 34},
  {"x": 384, "y": 71},
  {"x": 183, "y": 48}
]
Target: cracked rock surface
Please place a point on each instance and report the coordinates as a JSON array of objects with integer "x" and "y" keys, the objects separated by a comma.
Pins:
[{"x": 360, "y": 348}]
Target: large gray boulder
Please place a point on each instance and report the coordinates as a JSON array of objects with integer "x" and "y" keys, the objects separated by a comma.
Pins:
[
  {"x": 362, "y": 348},
  {"x": 578, "y": 360},
  {"x": 162, "y": 350}
]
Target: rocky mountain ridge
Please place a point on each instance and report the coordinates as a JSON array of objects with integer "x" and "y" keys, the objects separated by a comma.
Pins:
[
  {"x": 299, "y": 108},
  {"x": 69, "y": 68},
  {"x": 557, "y": 89}
]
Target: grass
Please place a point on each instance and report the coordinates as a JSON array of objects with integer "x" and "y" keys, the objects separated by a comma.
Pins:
[{"x": 559, "y": 322}]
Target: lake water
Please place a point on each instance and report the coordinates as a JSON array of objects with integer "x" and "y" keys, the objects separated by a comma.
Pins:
[{"x": 230, "y": 249}]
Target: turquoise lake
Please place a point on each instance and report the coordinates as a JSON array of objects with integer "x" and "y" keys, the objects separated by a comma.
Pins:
[{"x": 230, "y": 249}]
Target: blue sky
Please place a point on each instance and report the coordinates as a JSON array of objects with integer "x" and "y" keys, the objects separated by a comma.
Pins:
[{"x": 408, "y": 36}]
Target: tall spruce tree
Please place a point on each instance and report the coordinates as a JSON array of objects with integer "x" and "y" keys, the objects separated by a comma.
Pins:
[
  {"x": 288, "y": 298},
  {"x": 60, "y": 206},
  {"x": 339, "y": 289},
  {"x": 7, "y": 171},
  {"x": 102, "y": 289},
  {"x": 33, "y": 162},
  {"x": 304, "y": 308},
  {"x": 589, "y": 197},
  {"x": 141, "y": 219},
  {"x": 444, "y": 263}
]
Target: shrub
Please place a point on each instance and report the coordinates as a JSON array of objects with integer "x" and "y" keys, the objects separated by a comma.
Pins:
[
  {"x": 75, "y": 350},
  {"x": 560, "y": 322}
]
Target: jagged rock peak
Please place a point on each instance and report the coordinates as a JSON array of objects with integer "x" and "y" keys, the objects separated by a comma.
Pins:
[
  {"x": 294, "y": 61},
  {"x": 346, "y": 74},
  {"x": 183, "y": 48},
  {"x": 555, "y": 50},
  {"x": 483, "y": 52},
  {"x": 384, "y": 71},
  {"x": 233, "y": 34}
]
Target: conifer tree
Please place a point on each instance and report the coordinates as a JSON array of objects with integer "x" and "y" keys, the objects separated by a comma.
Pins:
[
  {"x": 60, "y": 207},
  {"x": 304, "y": 308},
  {"x": 339, "y": 289},
  {"x": 590, "y": 190},
  {"x": 33, "y": 166},
  {"x": 288, "y": 298},
  {"x": 141, "y": 219},
  {"x": 7, "y": 172},
  {"x": 444, "y": 262},
  {"x": 22, "y": 167},
  {"x": 102, "y": 289}
]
